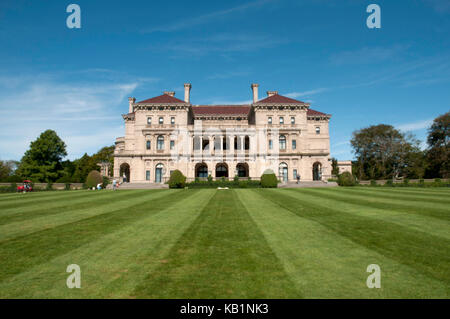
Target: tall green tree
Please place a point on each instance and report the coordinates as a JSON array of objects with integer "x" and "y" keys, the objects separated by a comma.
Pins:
[
  {"x": 438, "y": 147},
  {"x": 42, "y": 162},
  {"x": 384, "y": 152},
  {"x": 334, "y": 167}
]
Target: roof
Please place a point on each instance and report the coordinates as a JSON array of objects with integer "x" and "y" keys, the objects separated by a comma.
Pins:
[
  {"x": 312, "y": 112},
  {"x": 162, "y": 99},
  {"x": 279, "y": 99},
  {"x": 225, "y": 110}
]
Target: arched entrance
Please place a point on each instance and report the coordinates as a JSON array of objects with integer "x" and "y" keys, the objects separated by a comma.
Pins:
[
  {"x": 221, "y": 170},
  {"x": 317, "y": 171},
  {"x": 242, "y": 170},
  {"x": 201, "y": 170},
  {"x": 283, "y": 172},
  {"x": 159, "y": 170},
  {"x": 125, "y": 172}
]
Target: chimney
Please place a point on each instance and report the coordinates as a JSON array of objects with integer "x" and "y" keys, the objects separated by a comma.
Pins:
[
  {"x": 254, "y": 87},
  {"x": 131, "y": 100},
  {"x": 187, "y": 92},
  {"x": 170, "y": 93},
  {"x": 270, "y": 93}
]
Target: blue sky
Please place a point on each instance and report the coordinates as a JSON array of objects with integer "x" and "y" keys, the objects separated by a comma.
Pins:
[{"x": 76, "y": 81}]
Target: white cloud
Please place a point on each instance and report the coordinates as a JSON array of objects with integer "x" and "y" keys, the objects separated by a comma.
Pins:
[
  {"x": 85, "y": 115},
  {"x": 415, "y": 126},
  {"x": 305, "y": 93},
  {"x": 202, "y": 19}
]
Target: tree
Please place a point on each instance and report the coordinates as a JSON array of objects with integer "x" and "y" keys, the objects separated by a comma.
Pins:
[
  {"x": 438, "y": 147},
  {"x": 5, "y": 170},
  {"x": 334, "y": 166},
  {"x": 42, "y": 162},
  {"x": 384, "y": 152}
]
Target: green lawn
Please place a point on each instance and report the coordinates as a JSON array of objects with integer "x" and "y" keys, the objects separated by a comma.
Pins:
[{"x": 245, "y": 243}]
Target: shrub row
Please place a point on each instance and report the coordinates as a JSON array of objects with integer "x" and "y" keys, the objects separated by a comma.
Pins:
[{"x": 178, "y": 180}]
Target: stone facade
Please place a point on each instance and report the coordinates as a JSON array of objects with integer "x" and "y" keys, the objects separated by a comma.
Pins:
[{"x": 278, "y": 133}]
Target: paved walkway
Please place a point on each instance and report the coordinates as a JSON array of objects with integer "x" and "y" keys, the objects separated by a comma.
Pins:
[
  {"x": 287, "y": 185},
  {"x": 308, "y": 184}
]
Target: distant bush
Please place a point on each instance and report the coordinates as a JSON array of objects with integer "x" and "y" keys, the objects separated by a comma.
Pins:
[
  {"x": 177, "y": 179},
  {"x": 346, "y": 179},
  {"x": 373, "y": 182},
  {"x": 389, "y": 182},
  {"x": 105, "y": 182},
  {"x": 210, "y": 179},
  {"x": 269, "y": 179},
  {"x": 93, "y": 178},
  {"x": 49, "y": 187},
  {"x": 67, "y": 186}
]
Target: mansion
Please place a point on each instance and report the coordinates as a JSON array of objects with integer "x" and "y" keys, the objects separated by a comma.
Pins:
[{"x": 165, "y": 133}]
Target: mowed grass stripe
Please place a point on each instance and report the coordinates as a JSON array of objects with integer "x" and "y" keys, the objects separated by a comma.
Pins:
[
  {"x": 24, "y": 200},
  {"x": 21, "y": 253},
  {"x": 433, "y": 191},
  {"x": 40, "y": 223},
  {"x": 416, "y": 222},
  {"x": 422, "y": 251},
  {"x": 64, "y": 205},
  {"x": 114, "y": 264},
  {"x": 394, "y": 195},
  {"x": 324, "y": 264},
  {"x": 222, "y": 255},
  {"x": 438, "y": 211}
]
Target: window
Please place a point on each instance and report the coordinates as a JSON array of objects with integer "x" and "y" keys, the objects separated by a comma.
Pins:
[
  {"x": 161, "y": 120},
  {"x": 292, "y": 120},
  {"x": 147, "y": 145},
  {"x": 281, "y": 120},
  {"x": 172, "y": 145},
  {"x": 149, "y": 120},
  {"x": 172, "y": 120},
  {"x": 269, "y": 120},
  {"x": 294, "y": 174},
  {"x": 282, "y": 142},
  {"x": 147, "y": 175},
  {"x": 317, "y": 130},
  {"x": 270, "y": 145},
  {"x": 160, "y": 141},
  {"x": 294, "y": 144}
]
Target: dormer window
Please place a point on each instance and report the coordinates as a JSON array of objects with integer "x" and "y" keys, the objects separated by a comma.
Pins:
[{"x": 161, "y": 120}]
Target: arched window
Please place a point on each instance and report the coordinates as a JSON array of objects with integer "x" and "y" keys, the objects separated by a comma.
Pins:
[
  {"x": 201, "y": 170},
  {"x": 283, "y": 172},
  {"x": 160, "y": 142},
  {"x": 282, "y": 142}
]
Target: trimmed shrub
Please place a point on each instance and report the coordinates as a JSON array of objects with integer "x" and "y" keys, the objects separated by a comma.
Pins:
[
  {"x": 93, "y": 178},
  {"x": 389, "y": 183},
  {"x": 269, "y": 179},
  {"x": 346, "y": 179},
  {"x": 421, "y": 182},
  {"x": 405, "y": 182},
  {"x": 67, "y": 187},
  {"x": 177, "y": 179},
  {"x": 373, "y": 182},
  {"x": 49, "y": 186}
]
